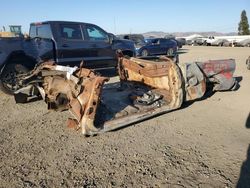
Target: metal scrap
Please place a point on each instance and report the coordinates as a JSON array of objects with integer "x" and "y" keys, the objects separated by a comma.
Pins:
[{"x": 146, "y": 88}]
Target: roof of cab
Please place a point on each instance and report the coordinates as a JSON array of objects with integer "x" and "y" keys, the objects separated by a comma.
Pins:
[{"x": 55, "y": 22}]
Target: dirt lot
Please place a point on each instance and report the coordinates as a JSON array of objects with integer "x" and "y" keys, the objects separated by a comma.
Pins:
[{"x": 205, "y": 144}]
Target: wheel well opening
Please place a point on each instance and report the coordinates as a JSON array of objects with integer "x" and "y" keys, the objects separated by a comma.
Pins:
[{"x": 22, "y": 59}]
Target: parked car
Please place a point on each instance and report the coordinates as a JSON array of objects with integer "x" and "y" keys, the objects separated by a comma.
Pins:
[
  {"x": 189, "y": 42},
  {"x": 229, "y": 43},
  {"x": 179, "y": 44},
  {"x": 138, "y": 39},
  {"x": 182, "y": 41},
  {"x": 192, "y": 42},
  {"x": 218, "y": 42},
  {"x": 67, "y": 43},
  {"x": 199, "y": 41},
  {"x": 157, "y": 46},
  {"x": 207, "y": 41},
  {"x": 243, "y": 43}
]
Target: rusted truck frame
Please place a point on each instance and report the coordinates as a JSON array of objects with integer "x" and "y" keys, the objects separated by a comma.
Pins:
[{"x": 147, "y": 88}]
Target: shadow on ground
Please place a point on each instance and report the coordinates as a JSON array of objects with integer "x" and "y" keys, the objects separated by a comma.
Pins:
[
  {"x": 248, "y": 122},
  {"x": 238, "y": 79},
  {"x": 244, "y": 179}
]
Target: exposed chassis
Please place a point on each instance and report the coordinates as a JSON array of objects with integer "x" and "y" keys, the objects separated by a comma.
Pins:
[{"x": 147, "y": 88}]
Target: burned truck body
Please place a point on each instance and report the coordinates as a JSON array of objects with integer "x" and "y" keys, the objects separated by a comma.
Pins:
[{"x": 146, "y": 88}]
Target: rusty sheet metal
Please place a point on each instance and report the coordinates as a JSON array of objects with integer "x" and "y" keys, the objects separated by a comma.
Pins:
[
  {"x": 146, "y": 67},
  {"x": 163, "y": 75},
  {"x": 220, "y": 73},
  {"x": 166, "y": 86},
  {"x": 146, "y": 89},
  {"x": 74, "y": 89},
  {"x": 194, "y": 81}
]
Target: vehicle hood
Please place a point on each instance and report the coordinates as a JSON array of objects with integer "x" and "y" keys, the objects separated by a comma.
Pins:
[
  {"x": 124, "y": 41},
  {"x": 123, "y": 44}
]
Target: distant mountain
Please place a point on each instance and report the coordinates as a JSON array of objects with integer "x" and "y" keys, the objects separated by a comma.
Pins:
[{"x": 184, "y": 34}]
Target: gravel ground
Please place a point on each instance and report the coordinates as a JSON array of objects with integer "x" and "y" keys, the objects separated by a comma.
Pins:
[{"x": 204, "y": 144}]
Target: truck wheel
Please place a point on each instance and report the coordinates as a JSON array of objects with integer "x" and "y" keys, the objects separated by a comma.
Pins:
[
  {"x": 8, "y": 83},
  {"x": 144, "y": 53},
  {"x": 170, "y": 52}
]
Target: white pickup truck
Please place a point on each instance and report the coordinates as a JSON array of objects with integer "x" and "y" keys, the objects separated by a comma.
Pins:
[
  {"x": 212, "y": 41},
  {"x": 220, "y": 40}
]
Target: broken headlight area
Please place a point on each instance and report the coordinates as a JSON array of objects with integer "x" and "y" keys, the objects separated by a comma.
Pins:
[{"x": 146, "y": 88}]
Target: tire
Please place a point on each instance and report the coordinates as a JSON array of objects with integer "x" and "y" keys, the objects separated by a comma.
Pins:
[
  {"x": 144, "y": 53},
  {"x": 170, "y": 52},
  {"x": 8, "y": 83}
]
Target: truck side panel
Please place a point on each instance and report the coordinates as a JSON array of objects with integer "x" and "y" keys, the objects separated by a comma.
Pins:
[
  {"x": 40, "y": 49},
  {"x": 20, "y": 49},
  {"x": 7, "y": 47}
]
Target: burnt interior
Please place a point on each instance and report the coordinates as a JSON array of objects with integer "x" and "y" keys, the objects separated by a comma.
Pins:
[{"x": 123, "y": 99}]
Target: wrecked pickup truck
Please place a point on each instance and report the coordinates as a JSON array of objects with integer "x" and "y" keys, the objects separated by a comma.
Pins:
[
  {"x": 66, "y": 43},
  {"x": 146, "y": 88}
]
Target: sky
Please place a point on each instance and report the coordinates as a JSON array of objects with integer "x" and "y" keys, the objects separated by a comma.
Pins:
[{"x": 130, "y": 16}]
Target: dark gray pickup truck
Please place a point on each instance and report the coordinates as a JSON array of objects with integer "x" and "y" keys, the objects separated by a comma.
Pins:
[{"x": 67, "y": 43}]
